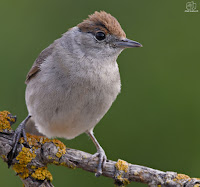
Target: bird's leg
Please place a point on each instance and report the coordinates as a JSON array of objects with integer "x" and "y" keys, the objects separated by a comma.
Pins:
[
  {"x": 100, "y": 153},
  {"x": 19, "y": 132}
]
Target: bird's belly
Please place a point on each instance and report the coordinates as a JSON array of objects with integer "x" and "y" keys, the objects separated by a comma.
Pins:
[{"x": 68, "y": 112}]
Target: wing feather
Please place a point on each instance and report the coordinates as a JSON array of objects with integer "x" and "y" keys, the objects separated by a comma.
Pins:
[{"x": 36, "y": 65}]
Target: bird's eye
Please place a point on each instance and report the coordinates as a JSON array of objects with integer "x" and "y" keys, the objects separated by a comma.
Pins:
[{"x": 100, "y": 36}]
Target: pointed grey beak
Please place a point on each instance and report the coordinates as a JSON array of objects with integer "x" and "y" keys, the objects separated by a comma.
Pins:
[{"x": 126, "y": 43}]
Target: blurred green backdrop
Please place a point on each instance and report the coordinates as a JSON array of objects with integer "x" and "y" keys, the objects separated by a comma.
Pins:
[{"x": 155, "y": 121}]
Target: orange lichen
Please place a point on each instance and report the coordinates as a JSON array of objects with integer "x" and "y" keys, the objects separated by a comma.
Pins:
[
  {"x": 5, "y": 120},
  {"x": 122, "y": 165},
  {"x": 41, "y": 174},
  {"x": 196, "y": 185}
]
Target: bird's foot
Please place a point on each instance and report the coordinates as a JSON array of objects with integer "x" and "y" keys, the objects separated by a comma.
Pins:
[
  {"x": 19, "y": 132},
  {"x": 102, "y": 159}
]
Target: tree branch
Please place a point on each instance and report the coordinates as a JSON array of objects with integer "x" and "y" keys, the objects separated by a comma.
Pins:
[{"x": 32, "y": 159}]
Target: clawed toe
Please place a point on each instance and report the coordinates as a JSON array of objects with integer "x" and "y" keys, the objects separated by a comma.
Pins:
[
  {"x": 100, "y": 153},
  {"x": 19, "y": 132},
  {"x": 102, "y": 159},
  {"x": 12, "y": 153}
]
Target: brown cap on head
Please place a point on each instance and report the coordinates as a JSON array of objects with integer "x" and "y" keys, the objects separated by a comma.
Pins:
[{"x": 104, "y": 22}]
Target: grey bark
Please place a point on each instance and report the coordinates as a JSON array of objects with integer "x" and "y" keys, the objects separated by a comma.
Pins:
[{"x": 121, "y": 171}]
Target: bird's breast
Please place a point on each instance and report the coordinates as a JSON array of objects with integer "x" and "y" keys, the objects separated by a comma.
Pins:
[{"x": 66, "y": 103}]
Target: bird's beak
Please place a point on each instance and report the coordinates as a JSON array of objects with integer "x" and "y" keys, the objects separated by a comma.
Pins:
[{"x": 126, "y": 43}]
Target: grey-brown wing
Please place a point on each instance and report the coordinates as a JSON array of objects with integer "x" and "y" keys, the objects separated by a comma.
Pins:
[{"x": 41, "y": 58}]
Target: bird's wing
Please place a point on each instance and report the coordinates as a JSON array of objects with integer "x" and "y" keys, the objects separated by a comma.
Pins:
[{"x": 36, "y": 65}]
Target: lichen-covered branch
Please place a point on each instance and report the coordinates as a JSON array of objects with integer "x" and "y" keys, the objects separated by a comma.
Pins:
[{"x": 32, "y": 159}]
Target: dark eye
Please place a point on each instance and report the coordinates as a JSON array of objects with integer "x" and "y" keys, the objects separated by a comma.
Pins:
[{"x": 100, "y": 36}]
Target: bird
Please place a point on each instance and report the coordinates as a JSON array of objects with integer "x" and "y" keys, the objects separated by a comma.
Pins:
[{"x": 74, "y": 81}]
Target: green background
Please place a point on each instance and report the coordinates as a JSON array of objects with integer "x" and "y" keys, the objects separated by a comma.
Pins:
[{"x": 155, "y": 120}]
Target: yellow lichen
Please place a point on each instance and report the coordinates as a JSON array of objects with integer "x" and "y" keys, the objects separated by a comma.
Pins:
[
  {"x": 56, "y": 163},
  {"x": 3, "y": 157},
  {"x": 5, "y": 121},
  {"x": 196, "y": 179},
  {"x": 37, "y": 141},
  {"x": 72, "y": 166},
  {"x": 122, "y": 165},
  {"x": 42, "y": 173},
  {"x": 21, "y": 170},
  {"x": 61, "y": 147},
  {"x": 181, "y": 177},
  {"x": 125, "y": 181},
  {"x": 33, "y": 167},
  {"x": 33, "y": 140},
  {"x": 24, "y": 157},
  {"x": 136, "y": 173}
]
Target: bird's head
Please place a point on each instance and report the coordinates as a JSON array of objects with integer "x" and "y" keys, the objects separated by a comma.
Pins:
[{"x": 101, "y": 35}]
